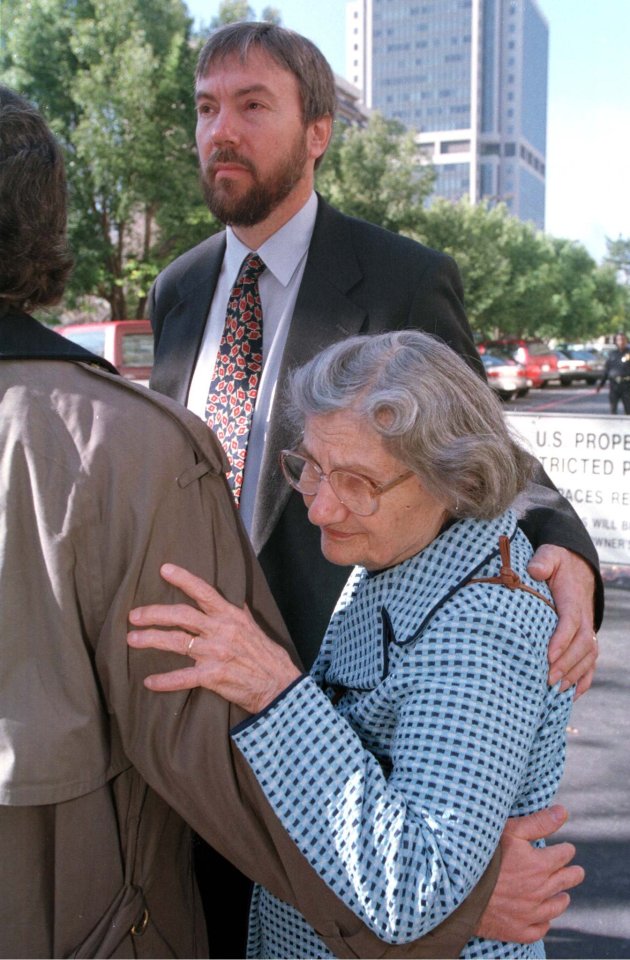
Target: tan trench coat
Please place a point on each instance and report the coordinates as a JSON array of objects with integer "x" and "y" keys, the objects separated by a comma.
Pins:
[{"x": 101, "y": 482}]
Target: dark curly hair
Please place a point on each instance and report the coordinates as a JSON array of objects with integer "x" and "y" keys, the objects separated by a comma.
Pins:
[{"x": 34, "y": 256}]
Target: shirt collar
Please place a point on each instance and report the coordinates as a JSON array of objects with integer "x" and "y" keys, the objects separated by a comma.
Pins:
[{"x": 283, "y": 251}]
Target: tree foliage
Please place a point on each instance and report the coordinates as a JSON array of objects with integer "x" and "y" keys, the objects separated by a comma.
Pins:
[
  {"x": 519, "y": 280},
  {"x": 272, "y": 15},
  {"x": 113, "y": 78},
  {"x": 233, "y": 11},
  {"x": 618, "y": 256},
  {"x": 373, "y": 173}
]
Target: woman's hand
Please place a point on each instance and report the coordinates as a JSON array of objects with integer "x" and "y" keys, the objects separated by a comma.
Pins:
[
  {"x": 232, "y": 655},
  {"x": 573, "y": 648}
]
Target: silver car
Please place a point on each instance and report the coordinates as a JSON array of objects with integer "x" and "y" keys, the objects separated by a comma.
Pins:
[
  {"x": 578, "y": 364},
  {"x": 505, "y": 376}
]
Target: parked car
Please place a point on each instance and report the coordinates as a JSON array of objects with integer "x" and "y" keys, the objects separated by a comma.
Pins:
[
  {"x": 505, "y": 376},
  {"x": 538, "y": 359},
  {"x": 128, "y": 344},
  {"x": 582, "y": 365}
]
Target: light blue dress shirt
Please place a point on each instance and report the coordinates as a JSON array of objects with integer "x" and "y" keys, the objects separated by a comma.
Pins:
[{"x": 284, "y": 255}]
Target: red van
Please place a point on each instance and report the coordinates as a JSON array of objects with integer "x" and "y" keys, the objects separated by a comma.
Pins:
[
  {"x": 538, "y": 359},
  {"x": 128, "y": 344}
]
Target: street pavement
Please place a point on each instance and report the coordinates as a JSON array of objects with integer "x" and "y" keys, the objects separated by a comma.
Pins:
[
  {"x": 578, "y": 398},
  {"x": 596, "y": 790}
]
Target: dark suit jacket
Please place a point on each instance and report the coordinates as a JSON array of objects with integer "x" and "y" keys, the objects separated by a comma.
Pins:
[{"x": 358, "y": 278}]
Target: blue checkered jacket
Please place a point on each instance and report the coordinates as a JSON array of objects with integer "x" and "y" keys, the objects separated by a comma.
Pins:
[{"x": 426, "y": 721}]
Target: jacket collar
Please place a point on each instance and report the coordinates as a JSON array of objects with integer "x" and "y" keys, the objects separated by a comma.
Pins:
[
  {"x": 23, "y": 338},
  {"x": 438, "y": 571},
  {"x": 394, "y": 606}
]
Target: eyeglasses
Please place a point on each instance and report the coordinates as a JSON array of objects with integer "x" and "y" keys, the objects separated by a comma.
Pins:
[{"x": 359, "y": 494}]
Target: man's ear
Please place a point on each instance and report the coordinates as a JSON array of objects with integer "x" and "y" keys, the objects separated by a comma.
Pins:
[{"x": 319, "y": 133}]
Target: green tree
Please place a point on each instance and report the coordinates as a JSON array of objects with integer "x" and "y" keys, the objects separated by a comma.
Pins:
[
  {"x": 613, "y": 297},
  {"x": 474, "y": 237},
  {"x": 115, "y": 84},
  {"x": 373, "y": 173},
  {"x": 504, "y": 264},
  {"x": 573, "y": 312},
  {"x": 272, "y": 15},
  {"x": 618, "y": 256},
  {"x": 233, "y": 11},
  {"x": 523, "y": 308},
  {"x": 519, "y": 281}
]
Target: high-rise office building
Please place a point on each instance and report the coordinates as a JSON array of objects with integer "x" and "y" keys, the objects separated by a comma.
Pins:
[{"x": 471, "y": 77}]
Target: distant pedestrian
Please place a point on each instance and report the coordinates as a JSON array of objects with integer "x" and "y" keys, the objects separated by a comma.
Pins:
[{"x": 617, "y": 373}]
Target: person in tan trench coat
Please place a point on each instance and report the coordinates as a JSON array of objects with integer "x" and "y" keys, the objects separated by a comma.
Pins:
[{"x": 100, "y": 482}]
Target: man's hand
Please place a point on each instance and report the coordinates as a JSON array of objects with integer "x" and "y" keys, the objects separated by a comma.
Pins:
[
  {"x": 530, "y": 890},
  {"x": 573, "y": 647}
]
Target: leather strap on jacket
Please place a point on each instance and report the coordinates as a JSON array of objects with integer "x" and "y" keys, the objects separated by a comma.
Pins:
[{"x": 508, "y": 577}]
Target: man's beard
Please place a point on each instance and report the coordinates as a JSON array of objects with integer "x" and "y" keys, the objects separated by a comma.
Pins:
[{"x": 239, "y": 209}]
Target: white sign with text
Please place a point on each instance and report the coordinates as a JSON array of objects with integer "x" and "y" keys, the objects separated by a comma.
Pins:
[{"x": 588, "y": 459}]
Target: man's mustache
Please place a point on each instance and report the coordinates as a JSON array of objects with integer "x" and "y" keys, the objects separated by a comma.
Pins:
[{"x": 227, "y": 156}]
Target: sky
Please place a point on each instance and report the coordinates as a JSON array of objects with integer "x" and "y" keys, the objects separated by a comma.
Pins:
[{"x": 588, "y": 122}]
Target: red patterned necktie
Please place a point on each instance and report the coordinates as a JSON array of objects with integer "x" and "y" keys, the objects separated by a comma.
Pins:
[{"x": 232, "y": 393}]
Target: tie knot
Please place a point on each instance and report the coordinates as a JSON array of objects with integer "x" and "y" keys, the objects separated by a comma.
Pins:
[{"x": 251, "y": 268}]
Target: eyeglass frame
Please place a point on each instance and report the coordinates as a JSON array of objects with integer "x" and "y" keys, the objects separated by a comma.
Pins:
[{"x": 377, "y": 489}]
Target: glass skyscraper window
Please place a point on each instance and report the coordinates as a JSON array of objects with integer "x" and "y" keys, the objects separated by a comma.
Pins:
[{"x": 492, "y": 91}]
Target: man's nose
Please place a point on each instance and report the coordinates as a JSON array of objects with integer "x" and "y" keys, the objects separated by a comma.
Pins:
[
  {"x": 325, "y": 507},
  {"x": 224, "y": 128}
]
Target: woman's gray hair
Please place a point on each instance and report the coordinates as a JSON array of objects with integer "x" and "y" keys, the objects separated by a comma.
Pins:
[{"x": 433, "y": 412}]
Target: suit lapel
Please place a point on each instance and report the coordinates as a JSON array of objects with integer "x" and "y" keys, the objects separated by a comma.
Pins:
[
  {"x": 323, "y": 314},
  {"x": 184, "y": 324}
]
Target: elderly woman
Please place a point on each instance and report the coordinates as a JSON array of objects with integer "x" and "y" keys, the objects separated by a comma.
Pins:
[{"x": 427, "y": 719}]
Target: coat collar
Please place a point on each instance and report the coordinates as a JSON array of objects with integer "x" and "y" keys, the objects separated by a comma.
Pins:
[
  {"x": 24, "y": 338},
  {"x": 395, "y": 605}
]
